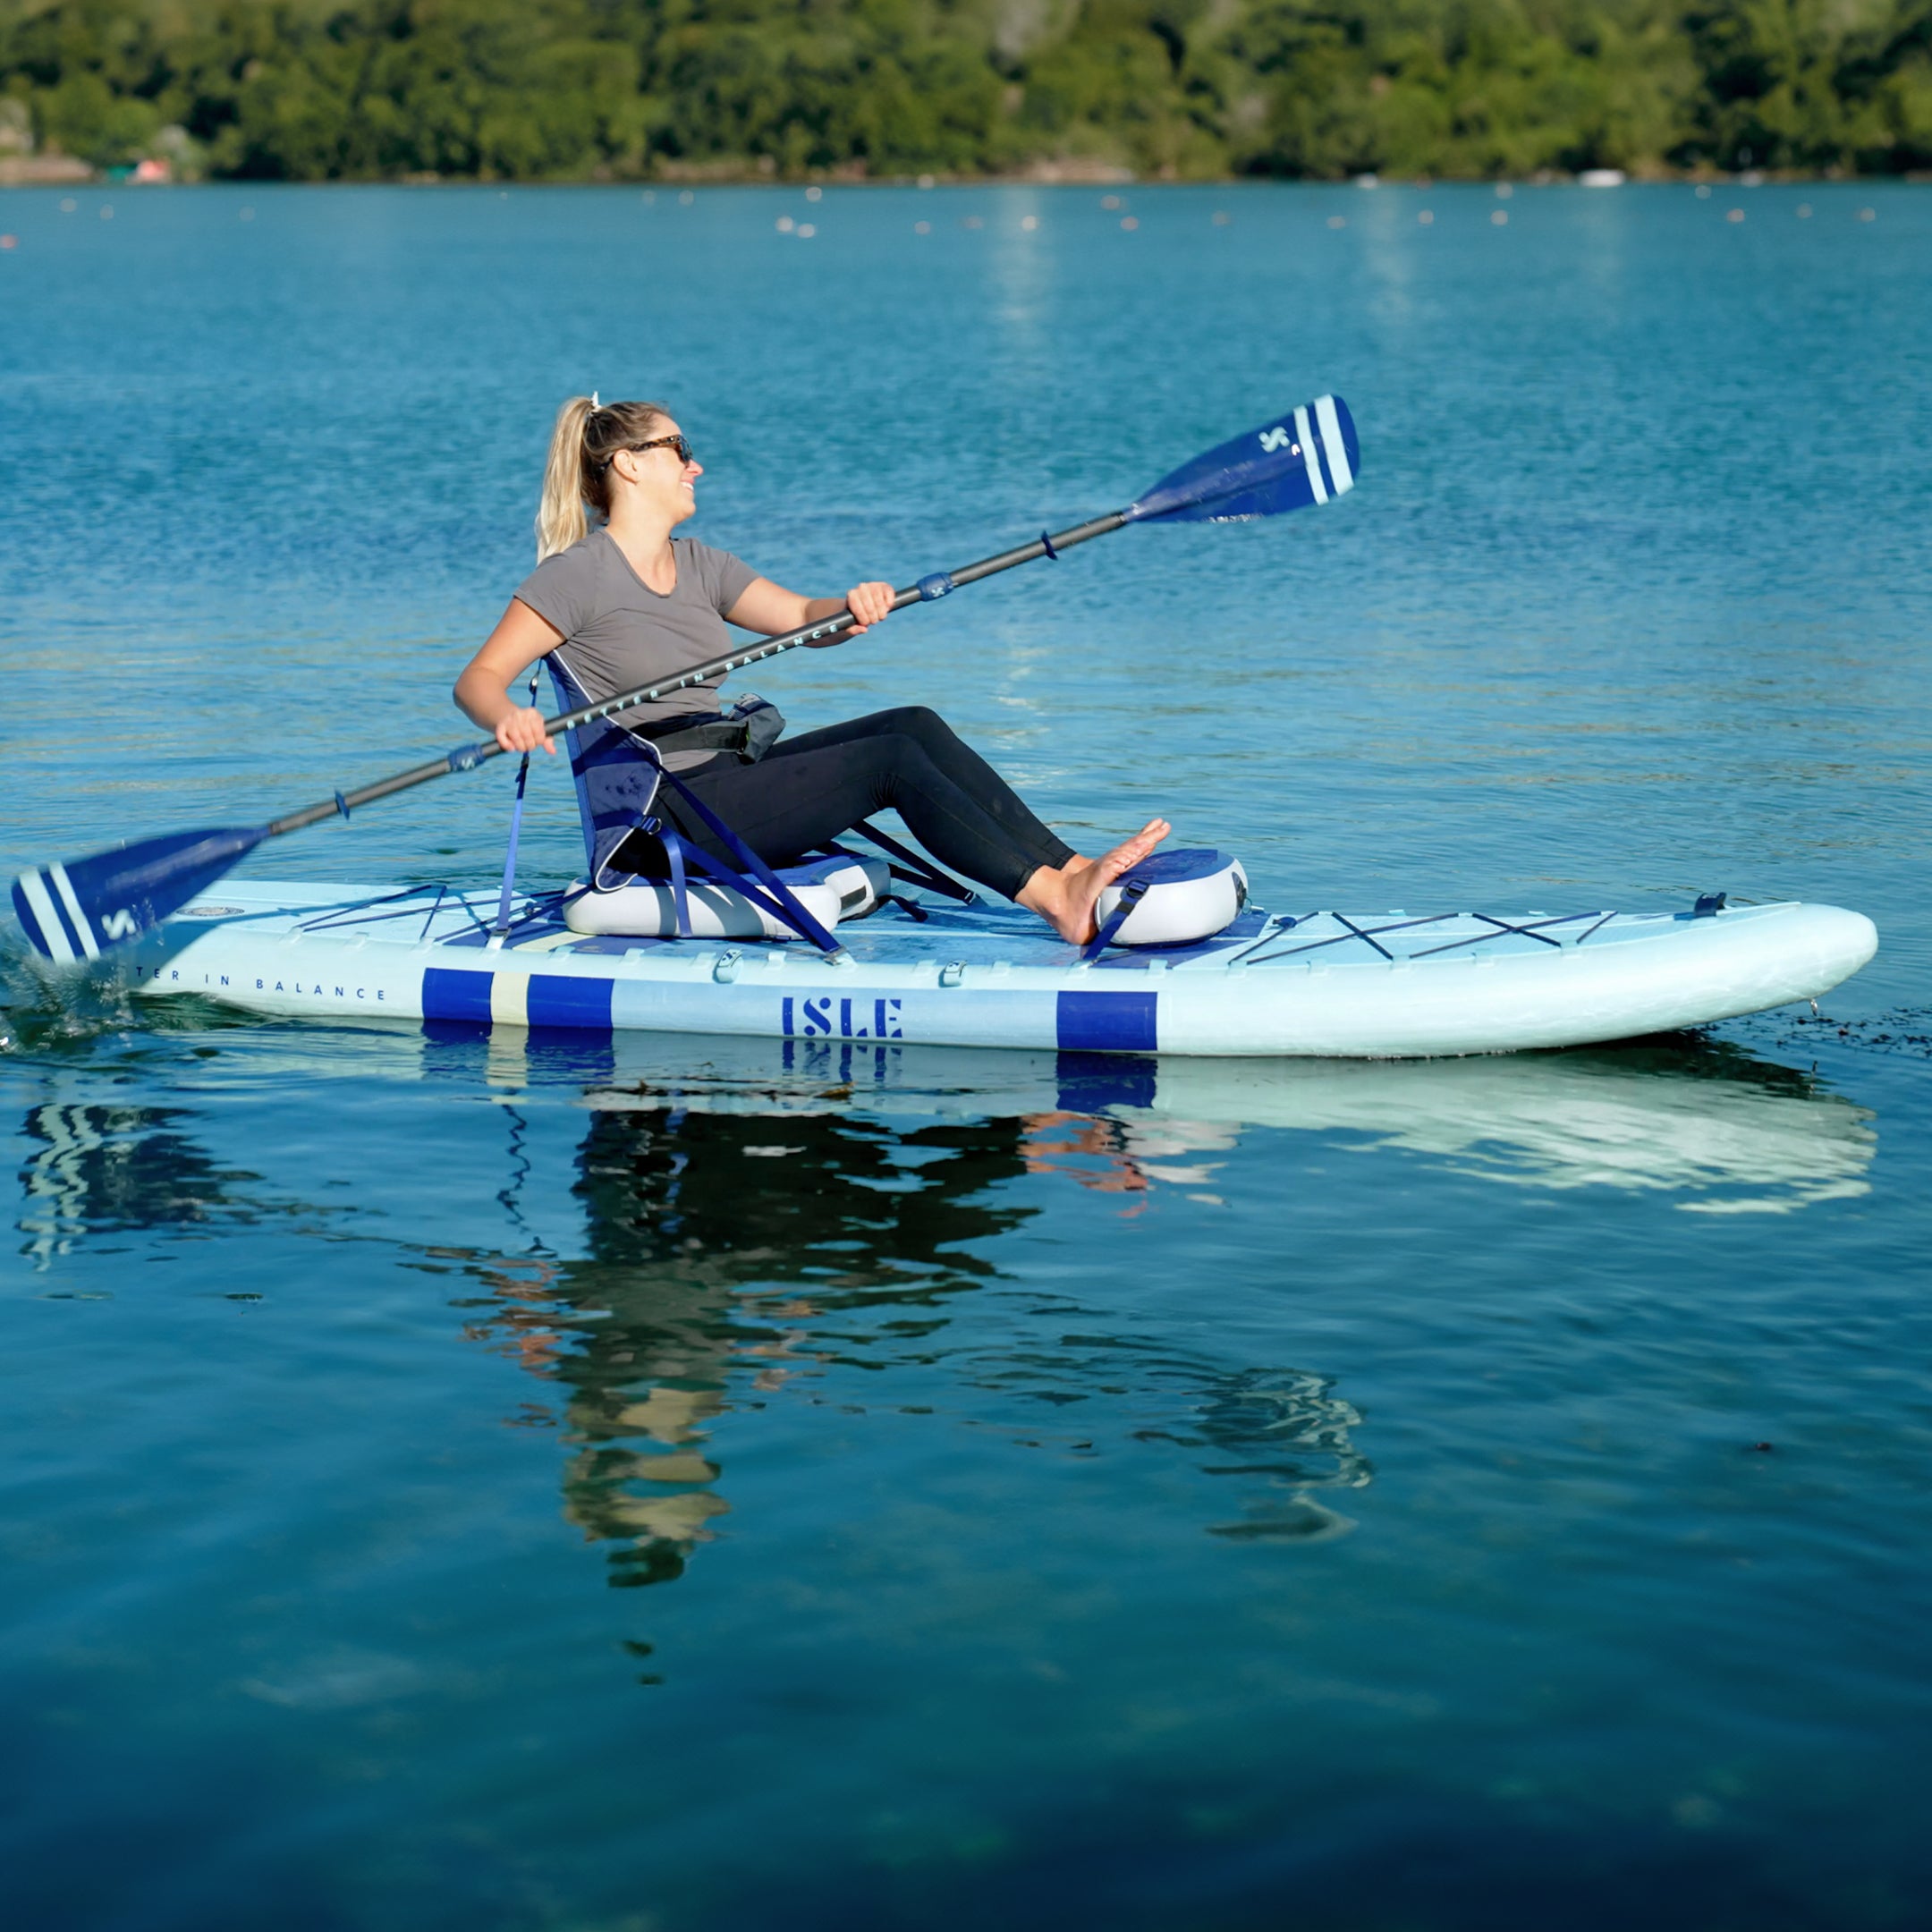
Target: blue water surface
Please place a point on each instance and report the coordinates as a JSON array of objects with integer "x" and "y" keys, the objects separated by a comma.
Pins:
[{"x": 526, "y": 1482}]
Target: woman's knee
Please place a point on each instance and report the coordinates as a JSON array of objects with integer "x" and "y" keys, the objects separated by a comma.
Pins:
[
  {"x": 898, "y": 752},
  {"x": 899, "y": 766},
  {"x": 917, "y": 722}
]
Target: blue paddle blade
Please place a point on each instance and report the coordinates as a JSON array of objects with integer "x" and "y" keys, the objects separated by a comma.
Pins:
[
  {"x": 1305, "y": 457},
  {"x": 76, "y": 911}
]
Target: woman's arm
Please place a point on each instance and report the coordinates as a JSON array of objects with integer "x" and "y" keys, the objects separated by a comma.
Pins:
[
  {"x": 482, "y": 693},
  {"x": 765, "y": 606}
]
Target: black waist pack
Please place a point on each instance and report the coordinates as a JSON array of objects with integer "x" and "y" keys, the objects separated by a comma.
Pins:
[{"x": 749, "y": 730}]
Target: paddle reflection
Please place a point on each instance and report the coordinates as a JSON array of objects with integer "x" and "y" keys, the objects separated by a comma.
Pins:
[{"x": 95, "y": 1169}]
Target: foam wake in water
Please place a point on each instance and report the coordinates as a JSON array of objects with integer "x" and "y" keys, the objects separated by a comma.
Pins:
[{"x": 45, "y": 1008}]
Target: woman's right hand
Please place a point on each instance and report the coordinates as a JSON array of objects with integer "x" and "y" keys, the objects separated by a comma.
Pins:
[{"x": 523, "y": 731}]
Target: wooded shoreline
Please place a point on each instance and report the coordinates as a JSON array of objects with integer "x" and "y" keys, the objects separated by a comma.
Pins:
[{"x": 692, "y": 91}]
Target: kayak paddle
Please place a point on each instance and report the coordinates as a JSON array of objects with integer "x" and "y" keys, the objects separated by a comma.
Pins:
[{"x": 78, "y": 909}]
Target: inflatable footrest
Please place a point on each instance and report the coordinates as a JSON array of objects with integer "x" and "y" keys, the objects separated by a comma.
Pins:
[{"x": 1172, "y": 898}]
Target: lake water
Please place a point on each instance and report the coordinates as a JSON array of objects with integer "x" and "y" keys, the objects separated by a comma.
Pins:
[{"x": 678, "y": 1485}]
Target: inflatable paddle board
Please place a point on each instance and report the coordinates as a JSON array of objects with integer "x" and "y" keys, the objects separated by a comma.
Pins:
[{"x": 1390, "y": 985}]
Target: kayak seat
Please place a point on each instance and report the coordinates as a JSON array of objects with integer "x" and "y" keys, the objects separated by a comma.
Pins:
[
  {"x": 619, "y": 775},
  {"x": 846, "y": 886}
]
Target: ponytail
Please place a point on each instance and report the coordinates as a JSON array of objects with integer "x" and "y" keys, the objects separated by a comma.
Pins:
[
  {"x": 577, "y": 474},
  {"x": 560, "y": 511}
]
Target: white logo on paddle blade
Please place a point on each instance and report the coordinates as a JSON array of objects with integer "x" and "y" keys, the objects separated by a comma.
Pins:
[
  {"x": 119, "y": 925},
  {"x": 1275, "y": 438}
]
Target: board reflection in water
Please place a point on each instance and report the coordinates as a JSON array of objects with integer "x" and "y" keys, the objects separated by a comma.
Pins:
[
  {"x": 743, "y": 1224},
  {"x": 1727, "y": 1132},
  {"x": 755, "y": 1217},
  {"x": 737, "y": 1257},
  {"x": 1723, "y": 1129}
]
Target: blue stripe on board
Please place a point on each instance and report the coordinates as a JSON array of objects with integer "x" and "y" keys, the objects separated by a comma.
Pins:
[
  {"x": 1107, "y": 1022},
  {"x": 450, "y": 993},
  {"x": 558, "y": 1000}
]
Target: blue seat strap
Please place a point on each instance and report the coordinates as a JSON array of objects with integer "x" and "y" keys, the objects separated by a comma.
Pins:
[
  {"x": 707, "y": 866},
  {"x": 925, "y": 873},
  {"x": 674, "y": 851},
  {"x": 774, "y": 895},
  {"x": 1134, "y": 891},
  {"x": 500, "y": 930}
]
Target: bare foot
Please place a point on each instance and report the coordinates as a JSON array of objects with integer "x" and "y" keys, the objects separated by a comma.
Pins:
[{"x": 1065, "y": 899}]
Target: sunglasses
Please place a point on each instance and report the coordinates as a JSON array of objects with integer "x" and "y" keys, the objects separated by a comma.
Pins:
[{"x": 676, "y": 442}]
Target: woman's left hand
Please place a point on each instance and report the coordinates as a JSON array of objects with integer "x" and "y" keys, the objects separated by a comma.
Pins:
[{"x": 871, "y": 604}]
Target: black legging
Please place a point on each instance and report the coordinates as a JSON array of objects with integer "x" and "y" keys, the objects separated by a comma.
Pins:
[{"x": 805, "y": 792}]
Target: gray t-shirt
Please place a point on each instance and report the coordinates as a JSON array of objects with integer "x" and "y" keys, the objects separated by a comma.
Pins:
[{"x": 619, "y": 633}]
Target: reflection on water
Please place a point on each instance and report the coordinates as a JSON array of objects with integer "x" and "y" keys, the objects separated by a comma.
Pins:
[
  {"x": 752, "y": 1217},
  {"x": 737, "y": 1255},
  {"x": 1727, "y": 1130},
  {"x": 100, "y": 1168},
  {"x": 714, "y": 1248},
  {"x": 751, "y": 1222},
  {"x": 1731, "y": 1132}
]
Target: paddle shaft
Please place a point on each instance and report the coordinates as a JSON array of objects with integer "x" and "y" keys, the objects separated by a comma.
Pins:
[{"x": 467, "y": 757}]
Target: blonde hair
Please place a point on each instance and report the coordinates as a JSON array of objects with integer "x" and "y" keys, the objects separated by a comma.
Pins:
[{"x": 577, "y": 475}]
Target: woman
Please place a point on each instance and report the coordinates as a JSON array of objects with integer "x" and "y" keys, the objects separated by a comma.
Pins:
[{"x": 631, "y": 604}]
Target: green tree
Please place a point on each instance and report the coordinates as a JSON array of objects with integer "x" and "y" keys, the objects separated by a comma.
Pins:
[{"x": 571, "y": 90}]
